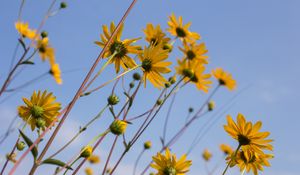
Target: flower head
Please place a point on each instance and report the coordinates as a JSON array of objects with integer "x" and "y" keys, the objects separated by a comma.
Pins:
[
  {"x": 247, "y": 134},
  {"x": 195, "y": 52},
  {"x": 176, "y": 28},
  {"x": 226, "y": 149},
  {"x": 45, "y": 50},
  {"x": 94, "y": 159},
  {"x": 224, "y": 78},
  {"x": 118, "y": 127},
  {"x": 206, "y": 155},
  {"x": 56, "y": 73},
  {"x": 25, "y": 31},
  {"x": 154, "y": 35},
  {"x": 169, "y": 165},
  {"x": 41, "y": 106},
  {"x": 153, "y": 65},
  {"x": 86, "y": 151},
  {"x": 120, "y": 49},
  {"x": 147, "y": 145},
  {"x": 88, "y": 171},
  {"x": 194, "y": 72},
  {"x": 250, "y": 161}
]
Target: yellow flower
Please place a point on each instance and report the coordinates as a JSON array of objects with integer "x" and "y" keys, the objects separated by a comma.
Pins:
[
  {"x": 94, "y": 159},
  {"x": 227, "y": 150},
  {"x": 247, "y": 134},
  {"x": 176, "y": 28},
  {"x": 169, "y": 165},
  {"x": 194, "y": 52},
  {"x": 206, "y": 155},
  {"x": 121, "y": 49},
  {"x": 255, "y": 162},
  {"x": 45, "y": 50},
  {"x": 194, "y": 72},
  {"x": 88, "y": 171},
  {"x": 154, "y": 35},
  {"x": 24, "y": 30},
  {"x": 152, "y": 65},
  {"x": 55, "y": 72},
  {"x": 41, "y": 108},
  {"x": 86, "y": 151},
  {"x": 224, "y": 78}
]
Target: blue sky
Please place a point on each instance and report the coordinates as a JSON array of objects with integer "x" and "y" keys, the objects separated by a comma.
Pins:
[{"x": 257, "y": 41}]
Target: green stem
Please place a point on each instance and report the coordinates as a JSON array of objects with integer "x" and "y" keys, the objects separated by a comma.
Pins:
[
  {"x": 235, "y": 153},
  {"x": 71, "y": 165}
]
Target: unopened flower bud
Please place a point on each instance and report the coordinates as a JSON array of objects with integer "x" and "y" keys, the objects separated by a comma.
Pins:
[
  {"x": 40, "y": 123},
  {"x": 11, "y": 157},
  {"x": 118, "y": 127},
  {"x": 86, "y": 151},
  {"x": 167, "y": 85},
  {"x": 63, "y": 5},
  {"x": 131, "y": 85},
  {"x": 113, "y": 100},
  {"x": 168, "y": 47},
  {"x": 172, "y": 80},
  {"x": 147, "y": 145},
  {"x": 159, "y": 102},
  {"x": 211, "y": 105},
  {"x": 136, "y": 76},
  {"x": 191, "y": 110},
  {"x": 44, "y": 34},
  {"x": 21, "y": 145}
]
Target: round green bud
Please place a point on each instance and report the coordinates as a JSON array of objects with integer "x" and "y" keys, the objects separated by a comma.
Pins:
[
  {"x": 21, "y": 145},
  {"x": 167, "y": 85},
  {"x": 147, "y": 145},
  {"x": 159, "y": 102},
  {"x": 168, "y": 47},
  {"x": 188, "y": 73},
  {"x": 172, "y": 80},
  {"x": 113, "y": 100},
  {"x": 44, "y": 34},
  {"x": 63, "y": 5},
  {"x": 191, "y": 110},
  {"x": 136, "y": 76},
  {"x": 131, "y": 85},
  {"x": 40, "y": 123},
  {"x": 211, "y": 105},
  {"x": 118, "y": 127}
]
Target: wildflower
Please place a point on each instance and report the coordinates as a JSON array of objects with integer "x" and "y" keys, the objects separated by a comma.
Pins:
[
  {"x": 152, "y": 65},
  {"x": 176, "y": 28},
  {"x": 24, "y": 30},
  {"x": 224, "y": 78},
  {"x": 206, "y": 155},
  {"x": 255, "y": 162},
  {"x": 45, "y": 50},
  {"x": 169, "y": 165},
  {"x": 118, "y": 127},
  {"x": 194, "y": 72},
  {"x": 120, "y": 49},
  {"x": 88, "y": 171},
  {"x": 194, "y": 52},
  {"x": 147, "y": 145},
  {"x": 154, "y": 35},
  {"x": 40, "y": 106},
  {"x": 86, "y": 151},
  {"x": 55, "y": 72},
  {"x": 247, "y": 134},
  {"x": 227, "y": 150},
  {"x": 113, "y": 99},
  {"x": 94, "y": 159}
]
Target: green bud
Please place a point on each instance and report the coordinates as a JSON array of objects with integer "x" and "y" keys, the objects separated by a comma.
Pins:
[
  {"x": 167, "y": 85},
  {"x": 188, "y": 73},
  {"x": 118, "y": 127},
  {"x": 113, "y": 100},
  {"x": 211, "y": 105},
  {"x": 136, "y": 76},
  {"x": 172, "y": 80},
  {"x": 159, "y": 102},
  {"x": 131, "y": 85},
  {"x": 191, "y": 110},
  {"x": 21, "y": 145},
  {"x": 63, "y": 5},
  {"x": 147, "y": 145},
  {"x": 40, "y": 123},
  {"x": 86, "y": 151},
  {"x": 44, "y": 34}
]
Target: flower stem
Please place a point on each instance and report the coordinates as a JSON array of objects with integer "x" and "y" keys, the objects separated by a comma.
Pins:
[{"x": 235, "y": 153}]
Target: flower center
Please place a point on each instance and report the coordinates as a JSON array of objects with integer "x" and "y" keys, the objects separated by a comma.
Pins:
[
  {"x": 118, "y": 48},
  {"x": 37, "y": 111},
  {"x": 222, "y": 82},
  {"x": 169, "y": 171},
  {"x": 147, "y": 64},
  {"x": 190, "y": 55},
  {"x": 180, "y": 32},
  {"x": 243, "y": 140},
  {"x": 154, "y": 41}
]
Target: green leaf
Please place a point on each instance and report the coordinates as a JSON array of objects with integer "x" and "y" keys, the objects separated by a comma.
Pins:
[
  {"x": 27, "y": 62},
  {"x": 56, "y": 162},
  {"x": 34, "y": 150}
]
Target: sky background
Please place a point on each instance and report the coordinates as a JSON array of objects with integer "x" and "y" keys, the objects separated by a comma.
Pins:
[{"x": 257, "y": 41}]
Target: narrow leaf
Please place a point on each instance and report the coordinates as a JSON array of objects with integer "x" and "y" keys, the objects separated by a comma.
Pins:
[
  {"x": 27, "y": 62},
  {"x": 56, "y": 162},
  {"x": 34, "y": 151}
]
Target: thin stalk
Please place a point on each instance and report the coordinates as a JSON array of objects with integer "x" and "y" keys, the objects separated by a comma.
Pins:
[
  {"x": 235, "y": 153},
  {"x": 11, "y": 153},
  {"x": 109, "y": 155},
  {"x": 167, "y": 119},
  {"x": 71, "y": 165},
  {"x": 137, "y": 161}
]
